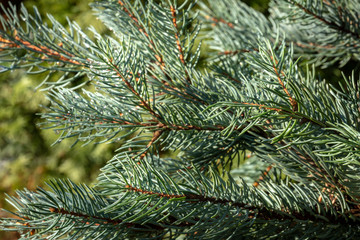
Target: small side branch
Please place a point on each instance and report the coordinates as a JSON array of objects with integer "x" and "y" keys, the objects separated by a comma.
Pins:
[
  {"x": 103, "y": 220},
  {"x": 181, "y": 54},
  {"x": 311, "y": 45},
  {"x": 24, "y": 221},
  {"x": 235, "y": 52},
  {"x": 163, "y": 195},
  {"x": 291, "y": 99},
  {"x": 19, "y": 43},
  {"x": 219, "y": 20},
  {"x": 140, "y": 28},
  {"x": 263, "y": 106},
  {"x": 156, "y": 135},
  {"x": 158, "y": 57},
  {"x": 329, "y": 23},
  {"x": 131, "y": 88}
]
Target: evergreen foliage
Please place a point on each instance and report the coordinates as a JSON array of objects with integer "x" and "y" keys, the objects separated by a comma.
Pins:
[{"x": 145, "y": 88}]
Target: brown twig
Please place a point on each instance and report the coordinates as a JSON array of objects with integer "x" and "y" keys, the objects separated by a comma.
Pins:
[
  {"x": 292, "y": 100},
  {"x": 156, "y": 135},
  {"x": 262, "y": 106},
  {"x": 18, "y": 43},
  {"x": 313, "y": 45},
  {"x": 131, "y": 88},
  {"x": 181, "y": 54},
  {"x": 165, "y": 195},
  {"x": 219, "y": 20},
  {"x": 235, "y": 52},
  {"x": 104, "y": 220},
  {"x": 265, "y": 173}
]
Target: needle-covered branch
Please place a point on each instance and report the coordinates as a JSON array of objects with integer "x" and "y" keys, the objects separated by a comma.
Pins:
[{"x": 182, "y": 129}]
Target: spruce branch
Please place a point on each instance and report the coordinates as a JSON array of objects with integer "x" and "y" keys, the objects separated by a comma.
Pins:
[
  {"x": 329, "y": 23},
  {"x": 295, "y": 18},
  {"x": 148, "y": 94},
  {"x": 47, "y": 52},
  {"x": 71, "y": 210},
  {"x": 200, "y": 196},
  {"x": 158, "y": 56}
]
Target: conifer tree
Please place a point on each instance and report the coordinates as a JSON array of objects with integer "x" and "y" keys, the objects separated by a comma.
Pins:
[{"x": 144, "y": 87}]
